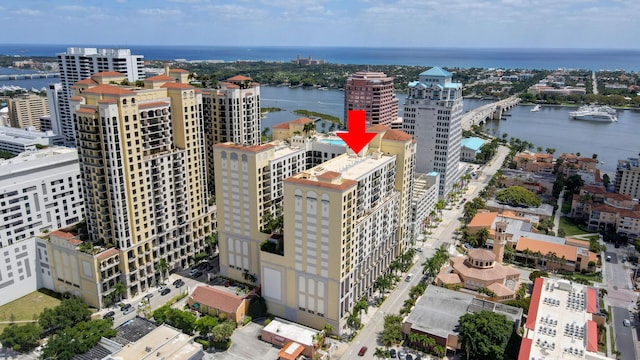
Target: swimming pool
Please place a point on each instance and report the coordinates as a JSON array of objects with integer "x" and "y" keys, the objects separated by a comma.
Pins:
[{"x": 339, "y": 142}]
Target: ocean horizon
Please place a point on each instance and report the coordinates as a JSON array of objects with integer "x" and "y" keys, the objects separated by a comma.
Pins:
[{"x": 450, "y": 57}]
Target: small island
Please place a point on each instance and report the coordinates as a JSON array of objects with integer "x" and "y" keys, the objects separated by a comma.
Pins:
[{"x": 313, "y": 114}]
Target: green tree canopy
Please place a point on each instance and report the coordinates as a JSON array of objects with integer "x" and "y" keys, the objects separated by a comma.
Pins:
[
  {"x": 77, "y": 339},
  {"x": 484, "y": 335},
  {"x": 70, "y": 312},
  {"x": 518, "y": 196},
  {"x": 21, "y": 338}
]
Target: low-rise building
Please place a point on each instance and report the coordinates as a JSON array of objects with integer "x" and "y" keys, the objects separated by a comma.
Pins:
[
  {"x": 534, "y": 163},
  {"x": 542, "y": 212},
  {"x": 291, "y": 337},
  {"x": 17, "y": 141},
  {"x": 220, "y": 301},
  {"x": 425, "y": 197},
  {"x": 437, "y": 315},
  {"x": 562, "y": 322},
  {"x": 470, "y": 149}
]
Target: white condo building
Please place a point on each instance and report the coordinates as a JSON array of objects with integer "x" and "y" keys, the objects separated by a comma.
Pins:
[
  {"x": 433, "y": 115},
  {"x": 80, "y": 63},
  {"x": 39, "y": 192}
]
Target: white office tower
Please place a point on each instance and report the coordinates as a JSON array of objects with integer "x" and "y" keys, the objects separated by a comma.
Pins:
[
  {"x": 79, "y": 63},
  {"x": 433, "y": 115}
]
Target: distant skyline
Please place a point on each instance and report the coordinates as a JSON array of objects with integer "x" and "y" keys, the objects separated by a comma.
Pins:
[{"x": 589, "y": 24}]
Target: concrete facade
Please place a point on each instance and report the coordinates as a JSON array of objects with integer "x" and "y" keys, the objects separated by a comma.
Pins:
[{"x": 374, "y": 93}]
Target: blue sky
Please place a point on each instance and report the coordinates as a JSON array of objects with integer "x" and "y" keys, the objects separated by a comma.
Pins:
[{"x": 422, "y": 23}]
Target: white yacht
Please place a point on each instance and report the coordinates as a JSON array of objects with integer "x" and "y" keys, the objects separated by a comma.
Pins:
[
  {"x": 536, "y": 108},
  {"x": 601, "y": 113}
]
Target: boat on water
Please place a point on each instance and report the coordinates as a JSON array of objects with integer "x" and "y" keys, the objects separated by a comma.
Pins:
[
  {"x": 600, "y": 113},
  {"x": 536, "y": 108}
]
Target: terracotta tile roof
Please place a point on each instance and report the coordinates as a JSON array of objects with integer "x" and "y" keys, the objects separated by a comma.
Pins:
[
  {"x": 496, "y": 273},
  {"x": 586, "y": 159},
  {"x": 108, "y": 253},
  {"x": 108, "y": 101},
  {"x": 249, "y": 148},
  {"x": 171, "y": 85},
  {"x": 178, "y": 71},
  {"x": 329, "y": 175},
  {"x": 86, "y": 111},
  {"x": 378, "y": 128},
  {"x": 301, "y": 121},
  {"x": 448, "y": 277},
  {"x": 605, "y": 208},
  {"x": 483, "y": 219},
  {"x": 344, "y": 185},
  {"x": 481, "y": 254},
  {"x": 500, "y": 290},
  {"x": 216, "y": 298},
  {"x": 153, "y": 104},
  {"x": 199, "y": 91},
  {"x": 229, "y": 85},
  {"x": 594, "y": 189},
  {"x": 569, "y": 252},
  {"x": 617, "y": 196},
  {"x": 109, "y": 74},
  {"x": 629, "y": 213},
  {"x": 284, "y": 125},
  {"x": 290, "y": 351},
  {"x": 397, "y": 135},
  {"x": 161, "y": 77},
  {"x": 76, "y": 98},
  {"x": 543, "y": 155},
  {"x": 87, "y": 81},
  {"x": 62, "y": 234},
  {"x": 106, "y": 89},
  {"x": 238, "y": 78}
]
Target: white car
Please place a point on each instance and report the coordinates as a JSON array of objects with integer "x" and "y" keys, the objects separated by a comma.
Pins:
[{"x": 162, "y": 287}]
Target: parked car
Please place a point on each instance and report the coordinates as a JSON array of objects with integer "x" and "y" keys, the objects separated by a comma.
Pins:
[
  {"x": 109, "y": 315},
  {"x": 392, "y": 353},
  {"x": 626, "y": 322},
  {"x": 409, "y": 357},
  {"x": 362, "y": 351},
  {"x": 165, "y": 291},
  {"x": 193, "y": 271},
  {"x": 176, "y": 281},
  {"x": 148, "y": 296},
  {"x": 402, "y": 355},
  {"x": 128, "y": 310},
  {"x": 179, "y": 284},
  {"x": 126, "y": 306},
  {"x": 409, "y": 278},
  {"x": 197, "y": 274}
]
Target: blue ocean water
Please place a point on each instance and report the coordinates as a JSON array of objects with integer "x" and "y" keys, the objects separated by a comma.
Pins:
[{"x": 591, "y": 59}]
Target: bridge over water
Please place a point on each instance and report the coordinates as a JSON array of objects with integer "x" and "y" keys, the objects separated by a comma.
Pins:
[
  {"x": 492, "y": 111},
  {"x": 43, "y": 75}
]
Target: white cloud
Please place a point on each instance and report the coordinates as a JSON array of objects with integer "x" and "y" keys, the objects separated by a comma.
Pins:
[
  {"x": 158, "y": 11},
  {"x": 28, "y": 12}
]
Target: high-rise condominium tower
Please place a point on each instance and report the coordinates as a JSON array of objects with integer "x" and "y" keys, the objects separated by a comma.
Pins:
[
  {"x": 80, "y": 63},
  {"x": 231, "y": 114},
  {"x": 433, "y": 115},
  {"x": 143, "y": 164},
  {"x": 374, "y": 93}
]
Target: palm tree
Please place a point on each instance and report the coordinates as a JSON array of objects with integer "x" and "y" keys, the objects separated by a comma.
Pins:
[
  {"x": 381, "y": 353},
  {"x": 119, "y": 289},
  {"x": 212, "y": 241},
  {"x": 162, "y": 267},
  {"x": 481, "y": 236},
  {"x": 309, "y": 127},
  {"x": 439, "y": 206}
]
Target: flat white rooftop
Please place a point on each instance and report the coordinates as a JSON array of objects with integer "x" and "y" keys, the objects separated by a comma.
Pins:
[
  {"x": 353, "y": 167},
  {"x": 292, "y": 331}
]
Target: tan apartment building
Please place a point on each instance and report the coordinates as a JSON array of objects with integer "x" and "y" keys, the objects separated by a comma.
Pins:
[
  {"x": 231, "y": 114},
  {"x": 628, "y": 177},
  {"x": 143, "y": 162},
  {"x": 25, "y": 110},
  {"x": 374, "y": 93},
  {"x": 608, "y": 211},
  {"x": 345, "y": 221}
]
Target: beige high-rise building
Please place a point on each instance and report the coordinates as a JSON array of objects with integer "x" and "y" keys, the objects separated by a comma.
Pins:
[
  {"x": 25, "y": 110},
  {"x": 143, "y": 164},
  {"x": 345, "y": 221},
  {"x": 374, "y": 93},
  {"x": 628, "y": 177}
]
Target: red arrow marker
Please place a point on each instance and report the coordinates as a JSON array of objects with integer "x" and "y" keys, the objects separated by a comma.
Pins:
[{"x": 356, "y": 138}]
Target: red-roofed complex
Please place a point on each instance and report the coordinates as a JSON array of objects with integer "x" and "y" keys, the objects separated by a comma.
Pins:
[
  {"x": 560, "y": 324},
  {"x": 152, "y": 138},
  {"x": 220, "y": 301}
]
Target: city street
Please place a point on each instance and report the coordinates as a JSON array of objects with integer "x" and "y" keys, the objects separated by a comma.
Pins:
[{"x": 374, "y": 320}]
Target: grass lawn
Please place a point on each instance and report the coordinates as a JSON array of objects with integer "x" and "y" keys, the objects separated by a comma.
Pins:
[
  {"x": 570, "y": 228},
  {"x": 26, "y": 307}
]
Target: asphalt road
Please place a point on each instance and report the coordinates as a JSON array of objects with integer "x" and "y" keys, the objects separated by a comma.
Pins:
[
  {"x": 369, "y": 335},
  {"x": 624, "y": 337}
]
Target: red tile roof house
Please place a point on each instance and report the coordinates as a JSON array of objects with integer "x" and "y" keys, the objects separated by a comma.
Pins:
[{"x": 220, "y": 301}]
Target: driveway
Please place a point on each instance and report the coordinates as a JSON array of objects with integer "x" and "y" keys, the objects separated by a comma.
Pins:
[{"x": 246, "y": 345}]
